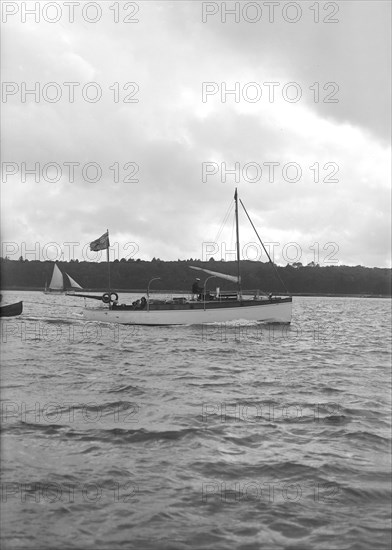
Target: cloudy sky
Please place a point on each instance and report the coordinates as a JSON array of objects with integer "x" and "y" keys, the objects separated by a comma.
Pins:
[{"x": 140, "y": 125}]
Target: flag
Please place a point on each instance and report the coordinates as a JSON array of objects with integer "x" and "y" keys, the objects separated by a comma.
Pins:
[{"x": 101, "y": 243}]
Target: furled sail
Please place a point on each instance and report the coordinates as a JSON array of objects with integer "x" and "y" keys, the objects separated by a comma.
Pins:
[
  {"x": 74, "y": 284},
  {"x": 231, "y": 278},
  {"x": 57, "y": 279}
]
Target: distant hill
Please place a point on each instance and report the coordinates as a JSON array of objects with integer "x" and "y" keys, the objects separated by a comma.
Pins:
[{"x": 176, "y": 275}]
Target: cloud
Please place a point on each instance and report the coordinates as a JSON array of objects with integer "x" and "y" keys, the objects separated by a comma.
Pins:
[{"x": 163, "y": 139}]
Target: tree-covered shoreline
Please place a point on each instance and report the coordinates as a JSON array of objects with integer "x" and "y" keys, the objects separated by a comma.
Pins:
[{"x": 176, "y": 275}]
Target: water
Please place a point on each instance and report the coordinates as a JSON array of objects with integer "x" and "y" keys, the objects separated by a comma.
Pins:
[{"x": 248, "y": 437}]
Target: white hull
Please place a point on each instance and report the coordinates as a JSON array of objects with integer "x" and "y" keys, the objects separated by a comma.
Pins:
[{"x": 272, "y": 313}]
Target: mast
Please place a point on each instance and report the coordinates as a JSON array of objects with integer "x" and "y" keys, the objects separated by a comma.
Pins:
[{"x": 238, "y": 243}]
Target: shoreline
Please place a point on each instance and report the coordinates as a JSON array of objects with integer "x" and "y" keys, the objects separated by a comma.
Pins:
[{"x": 143, "y": 291}]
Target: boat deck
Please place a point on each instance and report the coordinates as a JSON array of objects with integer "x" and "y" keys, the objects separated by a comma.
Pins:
[{"x": 182, "y": 304}]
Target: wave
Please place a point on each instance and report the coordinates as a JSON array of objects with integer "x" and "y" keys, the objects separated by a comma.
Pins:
[{"x": 118, "y": 436}]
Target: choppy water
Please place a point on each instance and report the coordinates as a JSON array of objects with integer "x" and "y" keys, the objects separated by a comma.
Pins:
[{"x": 248, "y": 437}]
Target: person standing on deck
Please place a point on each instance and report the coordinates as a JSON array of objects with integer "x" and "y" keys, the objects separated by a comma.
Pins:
[{"x": 196, "y": 290}]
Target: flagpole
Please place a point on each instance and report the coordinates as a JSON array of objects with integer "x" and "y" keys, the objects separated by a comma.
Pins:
[
  {"x": 107, "y": 257},
  {"x": 238, "y": 244}
]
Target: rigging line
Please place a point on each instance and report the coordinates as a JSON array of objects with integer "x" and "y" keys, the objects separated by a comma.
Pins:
[
  {"x": 226, "y": 216},
  {"x": 265, "y": 250},
  {"x": 220, "y": 227}
]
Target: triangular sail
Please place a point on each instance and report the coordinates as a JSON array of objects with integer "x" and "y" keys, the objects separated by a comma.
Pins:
[
  {"x": 74, "y": 284},
  {"x": 231, "y": 278},
  {"x": 57, "y": 282}
]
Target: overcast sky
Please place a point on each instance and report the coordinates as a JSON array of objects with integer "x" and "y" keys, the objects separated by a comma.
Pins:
[{"x": 335, "y": 118}]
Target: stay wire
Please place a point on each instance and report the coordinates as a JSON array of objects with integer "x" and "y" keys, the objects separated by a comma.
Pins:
[
  {"x": 265, "y": 250},
  {"x": 226, "y": 216}
]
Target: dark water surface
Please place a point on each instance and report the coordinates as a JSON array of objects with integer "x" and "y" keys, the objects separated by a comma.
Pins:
[{"x": 221, "y": 436}]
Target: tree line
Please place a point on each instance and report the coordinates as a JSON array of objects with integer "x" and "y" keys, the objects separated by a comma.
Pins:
[{"x": 176, "y": 275}]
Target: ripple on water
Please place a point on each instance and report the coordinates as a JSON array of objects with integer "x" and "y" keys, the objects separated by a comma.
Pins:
[{"x": 175, "y": 438}]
